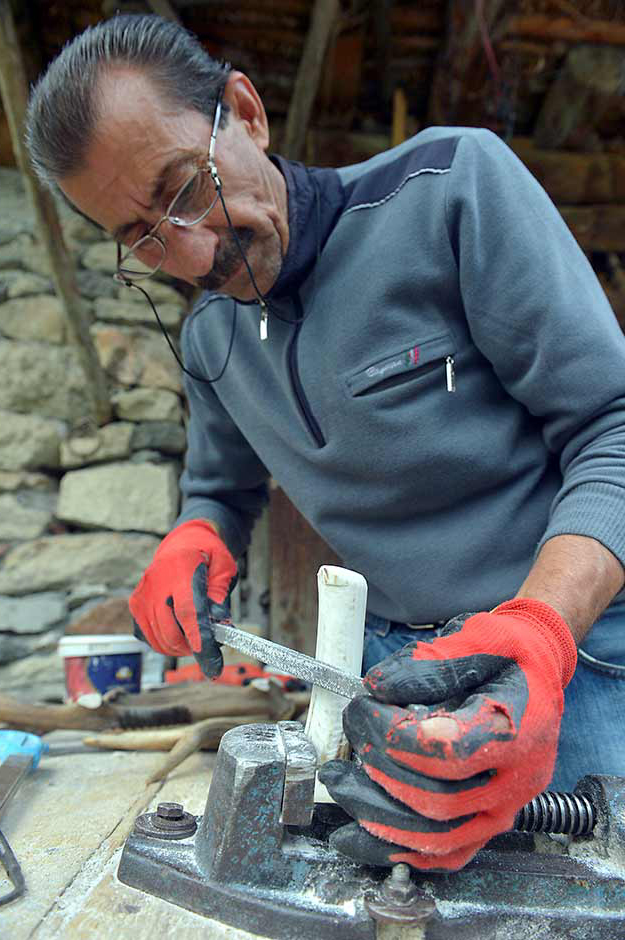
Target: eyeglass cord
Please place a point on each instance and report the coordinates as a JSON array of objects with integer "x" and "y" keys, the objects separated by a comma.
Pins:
[
  {"x": 261, "y": 298},
  {"x": 198, "y": 378}
]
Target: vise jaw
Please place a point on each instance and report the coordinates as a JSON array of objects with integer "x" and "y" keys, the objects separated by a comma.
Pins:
[
  {"x": 256, "y": 862},
  {"x": 259, "y": 860}
]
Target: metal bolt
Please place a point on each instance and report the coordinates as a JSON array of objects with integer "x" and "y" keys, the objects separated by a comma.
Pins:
[
  {"x": 170, "y": 821},
  {"x": 400, "y": 874},
  {"x": 399, "y": 901},
  {"x": 170, "y": 810},
  {"x": 398, "y": 886}
]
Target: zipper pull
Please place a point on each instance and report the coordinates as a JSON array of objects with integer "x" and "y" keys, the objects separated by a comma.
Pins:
[
  {"x": 264, "y": 317},
  {"x": 450, "y": 374}
]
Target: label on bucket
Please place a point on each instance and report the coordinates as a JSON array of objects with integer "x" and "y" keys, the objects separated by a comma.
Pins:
[{"x": 87, "y": 678}]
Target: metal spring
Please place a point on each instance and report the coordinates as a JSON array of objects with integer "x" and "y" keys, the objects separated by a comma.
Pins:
[{"x": 567, "y": 813}]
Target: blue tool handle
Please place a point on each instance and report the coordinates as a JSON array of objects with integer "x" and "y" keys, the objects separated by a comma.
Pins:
[{"x": 21, "y": 742}]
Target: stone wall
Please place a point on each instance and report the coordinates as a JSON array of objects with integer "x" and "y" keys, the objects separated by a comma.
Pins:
[{"x": 82, "y": 508}]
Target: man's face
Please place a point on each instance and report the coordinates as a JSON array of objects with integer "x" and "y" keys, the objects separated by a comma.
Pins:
[{"x": 144, "y": 148}]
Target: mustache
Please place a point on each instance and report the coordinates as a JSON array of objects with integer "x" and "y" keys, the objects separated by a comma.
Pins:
[{"x": 227, "y": 258}]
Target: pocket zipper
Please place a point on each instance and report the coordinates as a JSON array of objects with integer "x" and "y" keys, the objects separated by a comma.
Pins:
[{"x": 450, "y": 374}]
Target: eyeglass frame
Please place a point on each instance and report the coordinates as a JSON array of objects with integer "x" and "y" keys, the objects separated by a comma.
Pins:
[{"x": 208, "y": 167}]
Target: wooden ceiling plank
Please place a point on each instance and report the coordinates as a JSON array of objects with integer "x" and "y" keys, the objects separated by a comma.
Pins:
[
  {"x": 574, "y": 178},
  {"x": 536, "y": 26},
  {"x": 597, "y": 228}
]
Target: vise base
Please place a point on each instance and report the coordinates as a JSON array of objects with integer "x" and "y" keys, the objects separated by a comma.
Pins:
[{"x": 259, "y": 860}]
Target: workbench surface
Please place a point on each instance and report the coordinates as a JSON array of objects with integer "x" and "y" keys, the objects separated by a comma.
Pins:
[{"x": 67, "y": 824}]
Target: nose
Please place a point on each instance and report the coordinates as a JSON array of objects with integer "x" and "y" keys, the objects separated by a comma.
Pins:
[{"x": 190, "y": 249}]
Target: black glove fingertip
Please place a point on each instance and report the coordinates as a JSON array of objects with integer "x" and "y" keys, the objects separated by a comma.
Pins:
[
  {"x": 361, "y": 847},
  {"x": 210, "y": 660},
  {"x": 332, "y": 772},
  {"x": 138, "y": 632}
]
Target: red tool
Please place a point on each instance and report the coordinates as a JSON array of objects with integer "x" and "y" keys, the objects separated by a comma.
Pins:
[{"x": 235, "y": 674}]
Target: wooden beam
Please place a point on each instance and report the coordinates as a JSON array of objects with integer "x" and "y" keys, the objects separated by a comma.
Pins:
[
  {"x": 589, "y": 76},
  {"x": 13, "y": 88},
  {"x": 324, "y": 19},
  {"x": 537, "y": 26},
  {"x": 249, "y": 36},
  {"x": 574, "y": 178},
  {"x": 413, "y": 19},
  {"x": 276, "y": 7},
  {"x": 597, "y": 228}
]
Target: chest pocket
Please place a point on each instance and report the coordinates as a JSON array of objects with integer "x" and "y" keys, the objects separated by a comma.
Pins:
[{"x": 406, "y": 365}]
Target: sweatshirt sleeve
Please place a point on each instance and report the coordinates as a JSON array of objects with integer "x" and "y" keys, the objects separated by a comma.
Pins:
[
  {"x": 223, "y": 479},
  {"x": 537, "y": 312}
]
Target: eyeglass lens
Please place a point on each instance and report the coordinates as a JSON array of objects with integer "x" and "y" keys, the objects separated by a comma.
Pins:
[
  {"x": 143, "y": 258},
  {"x": 189, "y": 207},
  {"x": 194, "y": 201}
]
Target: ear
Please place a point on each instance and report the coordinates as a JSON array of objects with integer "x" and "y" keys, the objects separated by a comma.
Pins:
[{"x": 247, "y": 107}]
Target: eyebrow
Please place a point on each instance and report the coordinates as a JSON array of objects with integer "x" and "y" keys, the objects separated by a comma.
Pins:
[{"x": 159, "y": 187}]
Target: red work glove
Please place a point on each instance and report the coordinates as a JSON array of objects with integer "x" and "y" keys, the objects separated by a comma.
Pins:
[
  {"x": 436, "y": 791},
  {"x": 183, "y": 590}
]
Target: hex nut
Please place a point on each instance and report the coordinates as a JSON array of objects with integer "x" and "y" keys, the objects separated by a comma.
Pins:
[{"x": 170, "y": 810}]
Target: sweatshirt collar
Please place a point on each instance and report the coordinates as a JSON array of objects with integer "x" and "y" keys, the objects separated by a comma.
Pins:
[{"x": 315, "y": 200}]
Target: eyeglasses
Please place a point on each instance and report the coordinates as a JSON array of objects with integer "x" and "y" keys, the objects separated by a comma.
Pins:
[{"x": 190, "y": 206}]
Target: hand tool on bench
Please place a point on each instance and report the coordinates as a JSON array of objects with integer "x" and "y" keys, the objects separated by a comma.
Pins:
[{"x": 19, "y": 754}]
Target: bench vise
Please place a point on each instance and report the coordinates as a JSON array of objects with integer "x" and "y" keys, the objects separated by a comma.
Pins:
[{"x": 259, "y": 860}]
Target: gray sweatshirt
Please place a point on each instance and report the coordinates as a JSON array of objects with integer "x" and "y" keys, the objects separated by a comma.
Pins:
[{"x": 436, "y": 266}]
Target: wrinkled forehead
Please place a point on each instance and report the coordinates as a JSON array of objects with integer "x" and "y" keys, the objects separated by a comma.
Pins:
[
  {"x": 138, "y": 137},
  {"x": 129, "y": 102}
]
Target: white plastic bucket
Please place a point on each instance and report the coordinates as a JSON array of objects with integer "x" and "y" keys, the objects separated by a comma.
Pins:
[{"x": 95, "y": 664}]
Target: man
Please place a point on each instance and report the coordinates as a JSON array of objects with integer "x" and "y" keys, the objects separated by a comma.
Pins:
[{"x": 418, "y": 352}]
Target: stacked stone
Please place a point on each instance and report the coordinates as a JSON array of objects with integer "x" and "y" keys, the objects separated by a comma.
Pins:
[{"x": 82, "y": 509}]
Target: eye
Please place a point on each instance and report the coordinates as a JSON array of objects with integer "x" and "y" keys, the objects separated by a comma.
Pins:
[
  {"x": 134, "y": 234},
  {"x": 188, "y": 197}
]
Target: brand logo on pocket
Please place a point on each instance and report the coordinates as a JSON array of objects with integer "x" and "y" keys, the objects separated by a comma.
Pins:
[
  {"x": 372, "y": 371},
  {"x": 413, "y": 355},
  {"x": 394, "y": 365}
]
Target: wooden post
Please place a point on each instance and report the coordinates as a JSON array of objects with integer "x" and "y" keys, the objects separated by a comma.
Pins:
[
  {"x": 590, "y": 76},
  {"x": 323, "y": 22},
  {"x": 296, "y": 554},
  {"x": 165, "y": 9},
  {"x": 399, "y": 131},
  {"x": 381, "y": 22},
  {"x": 13, "y": 88},
  {"x": 458, "y": 70}
]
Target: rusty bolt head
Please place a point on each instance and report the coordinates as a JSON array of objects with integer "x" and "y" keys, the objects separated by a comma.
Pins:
[
  {"x": 398, "y": 886},
  {"x": 169, "y": 810},
  {"x": 399, "y": 901},
  {"x": 169, "y": 822}
]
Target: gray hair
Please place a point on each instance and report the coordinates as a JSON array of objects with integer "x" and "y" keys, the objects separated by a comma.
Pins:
[{"x": 63, "y": 109}]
